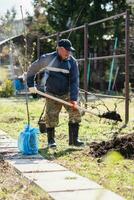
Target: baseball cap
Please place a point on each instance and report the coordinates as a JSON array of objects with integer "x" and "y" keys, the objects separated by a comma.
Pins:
[{"x": 66, "y": 44}]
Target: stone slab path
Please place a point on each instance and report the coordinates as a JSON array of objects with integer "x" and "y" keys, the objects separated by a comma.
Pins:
[{"x": 58, "y": 181}]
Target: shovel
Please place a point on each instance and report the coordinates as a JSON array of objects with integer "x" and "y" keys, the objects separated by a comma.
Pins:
[
  {"x": 28, "y": 138},
  {"x": 112, "y": 115}
]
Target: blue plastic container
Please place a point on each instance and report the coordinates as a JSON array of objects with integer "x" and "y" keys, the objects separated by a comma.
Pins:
[{"x": 18, "y": 84}]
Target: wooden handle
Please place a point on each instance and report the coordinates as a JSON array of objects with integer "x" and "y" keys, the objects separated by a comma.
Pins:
[{"x": 64, "y": 102}]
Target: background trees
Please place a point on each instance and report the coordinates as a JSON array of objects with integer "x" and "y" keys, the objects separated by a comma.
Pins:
[{"x": 57, "y": 15}]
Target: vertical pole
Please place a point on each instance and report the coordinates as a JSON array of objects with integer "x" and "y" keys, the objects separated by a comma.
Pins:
[
  {"x": 11, "y": 66},
  {"x": 127, "y": 68},
  {"x": 85, "y": 58},
  {"x": 58, "y": 37},
  {"x": 38, "y": 47},
  {"x": 26, "y": 61},
  {"x": 0, "y": 55},
  {"x": 112, "y": 66}
]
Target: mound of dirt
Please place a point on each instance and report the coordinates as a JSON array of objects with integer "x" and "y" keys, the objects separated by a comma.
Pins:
[{"x": 124, "y": 145}]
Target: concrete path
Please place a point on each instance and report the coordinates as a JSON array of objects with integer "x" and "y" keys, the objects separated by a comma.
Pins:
[{"x": 58, "y": 181}]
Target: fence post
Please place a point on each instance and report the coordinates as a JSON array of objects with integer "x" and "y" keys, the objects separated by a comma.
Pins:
[
  {"x": 127, "y": 68},
  {"x": 85, "y": 58}
]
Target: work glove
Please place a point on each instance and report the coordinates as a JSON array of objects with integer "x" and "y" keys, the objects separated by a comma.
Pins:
[
  {"x": 74, "y": 105},
  {"x": 23, "y": 77},
  {"x": 33, "y": 90}
]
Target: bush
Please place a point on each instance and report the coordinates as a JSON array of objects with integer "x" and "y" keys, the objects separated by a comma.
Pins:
[{"x": 6, "y": 89}]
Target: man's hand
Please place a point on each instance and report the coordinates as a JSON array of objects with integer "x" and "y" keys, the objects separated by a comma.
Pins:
[
  {"x": 33, "y": 90},
  {"x": 74, "y": 105},
  {"x": 23, "y": 77}
]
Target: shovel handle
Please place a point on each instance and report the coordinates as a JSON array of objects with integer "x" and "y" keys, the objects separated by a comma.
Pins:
[{"x": 64, "y": 102}]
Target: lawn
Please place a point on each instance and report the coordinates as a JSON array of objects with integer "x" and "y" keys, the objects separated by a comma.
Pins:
[{"x": 113, "y": 171}]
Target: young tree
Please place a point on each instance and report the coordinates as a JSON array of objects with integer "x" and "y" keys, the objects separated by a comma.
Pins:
[{"x": 6, "y": 23}]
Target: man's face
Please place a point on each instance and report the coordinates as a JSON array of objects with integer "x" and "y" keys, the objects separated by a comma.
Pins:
[{"x": 63, "y": 53}]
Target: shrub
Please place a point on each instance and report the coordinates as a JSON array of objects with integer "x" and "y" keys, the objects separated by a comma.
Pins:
[{"x": 6, "y": 89}]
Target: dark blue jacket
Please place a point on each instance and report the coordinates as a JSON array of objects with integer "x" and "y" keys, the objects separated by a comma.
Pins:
[{"x": 63, "y": 75}]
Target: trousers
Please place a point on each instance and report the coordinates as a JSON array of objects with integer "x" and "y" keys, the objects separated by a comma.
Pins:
[{"x": 53, "y": 109}]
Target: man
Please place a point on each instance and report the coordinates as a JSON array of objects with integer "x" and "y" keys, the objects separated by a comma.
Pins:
[{"x": 62, "y": 81}]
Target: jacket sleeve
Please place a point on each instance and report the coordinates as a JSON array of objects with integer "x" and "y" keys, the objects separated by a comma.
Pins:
[
  {"x": 74, "y": 81},
  {"x": 35, "y": 67}
]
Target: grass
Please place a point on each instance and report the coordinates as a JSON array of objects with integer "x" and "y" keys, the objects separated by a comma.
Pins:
[{"x": 112, "y": 171}]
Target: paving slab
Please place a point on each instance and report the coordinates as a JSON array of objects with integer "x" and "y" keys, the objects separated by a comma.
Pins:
[
  {"x": 91, "y": 194},
  {"x": 7, "y": 150},
  {"x": 58, "y": 181},
  {"x": 19, "y": 155},
  {"x": 7, "y": 144},
  {"x": 35, "y": 165}
]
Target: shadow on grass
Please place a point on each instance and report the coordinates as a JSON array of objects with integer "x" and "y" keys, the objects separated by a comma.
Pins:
[{"x": 52, "y": 154}]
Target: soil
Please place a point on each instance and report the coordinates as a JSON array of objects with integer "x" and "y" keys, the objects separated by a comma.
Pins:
[
  {"x": 14, "y": 186},
  {"x": 124, "y": 145},
  {"x": 113, "y": 115}
]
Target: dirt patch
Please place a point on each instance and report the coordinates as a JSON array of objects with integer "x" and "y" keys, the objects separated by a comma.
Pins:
[
  {"x": 124, "y": 145},
  {"x": 13, "y": 186}
]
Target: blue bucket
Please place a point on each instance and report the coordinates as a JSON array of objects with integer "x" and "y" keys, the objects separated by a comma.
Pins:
[{"x": 18, "y": 84}]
